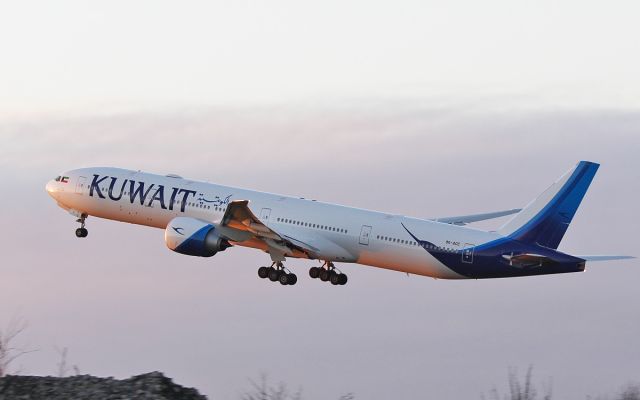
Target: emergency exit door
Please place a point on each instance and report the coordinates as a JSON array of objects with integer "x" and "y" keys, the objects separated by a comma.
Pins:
[
  {"x": 364, "y": 235},
  {"x": 265, "y": 213}
]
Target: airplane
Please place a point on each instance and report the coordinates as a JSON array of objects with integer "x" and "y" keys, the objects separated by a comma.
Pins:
[{"x": 202, "y": 219}]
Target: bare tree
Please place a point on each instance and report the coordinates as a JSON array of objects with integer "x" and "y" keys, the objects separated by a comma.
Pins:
[
  {"x": 63, "y": 367},
  {"x": 9, "y": 353},
  {"x": 631, "y": 392},
  {"x": 62, "y": 364},
  {"x": 520, "y": 390},
  {"x": 262, "y": 390}
]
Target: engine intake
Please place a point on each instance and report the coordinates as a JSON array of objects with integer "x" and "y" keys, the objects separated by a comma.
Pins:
[{"x": 194, "y": 237}]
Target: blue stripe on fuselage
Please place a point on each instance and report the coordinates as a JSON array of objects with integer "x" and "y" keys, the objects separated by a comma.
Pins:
[{"x": 487, "y": 260}]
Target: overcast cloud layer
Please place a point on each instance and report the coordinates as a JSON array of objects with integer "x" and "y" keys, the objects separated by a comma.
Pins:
[
  {"x": 72, "y": 55},
  {"x": 124, "y": 304}
]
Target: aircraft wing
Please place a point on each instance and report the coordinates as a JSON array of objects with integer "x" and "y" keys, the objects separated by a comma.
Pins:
[
  {"x": 466, "y": 219},
  {"x": 240, "y": 224}
]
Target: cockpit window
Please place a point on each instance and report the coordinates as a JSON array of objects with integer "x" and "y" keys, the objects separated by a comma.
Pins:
[{"x": 58, "y": 179}]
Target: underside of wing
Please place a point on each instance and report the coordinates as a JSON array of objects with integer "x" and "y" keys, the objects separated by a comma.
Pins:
[
  {"x": 239, "y": 224},
  {"x": 467, "y": 219}
]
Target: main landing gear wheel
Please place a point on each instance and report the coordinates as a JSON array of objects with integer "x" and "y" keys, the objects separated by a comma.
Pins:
[
  {"x": 277, "y": 273},
  {"x": 338, "y": 279},
  {"x": 82, "y": 232},
  {"x": 263, "y": 272},
  {"x": 314, "y": 272},
  {"x": 274, "y": 274},
  {"x": 288, "y": 279},
  {"x": 324, "y": 275},
  {"x": 328, "y": 273}
]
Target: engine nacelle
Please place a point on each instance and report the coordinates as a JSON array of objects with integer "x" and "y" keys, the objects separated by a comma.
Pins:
[{"x": 193, "y": 237}]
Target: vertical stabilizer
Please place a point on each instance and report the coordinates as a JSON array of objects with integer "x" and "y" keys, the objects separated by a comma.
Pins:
[{"x": 545, "y": 220}]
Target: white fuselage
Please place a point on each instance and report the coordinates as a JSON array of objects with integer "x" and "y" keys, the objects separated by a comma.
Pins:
[{"x": 341, "y": 234}]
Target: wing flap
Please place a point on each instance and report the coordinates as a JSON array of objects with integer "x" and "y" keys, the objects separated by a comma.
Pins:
[{"x": 239, "y": 218}]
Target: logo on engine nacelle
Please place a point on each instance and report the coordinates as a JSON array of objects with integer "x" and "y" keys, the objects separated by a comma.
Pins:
[{"x": 178, "y": 230}]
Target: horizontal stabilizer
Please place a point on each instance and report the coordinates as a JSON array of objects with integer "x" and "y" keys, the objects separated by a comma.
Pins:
[
  {"x": 605, "y": 258},
  {"x": 466, "y": 219}
]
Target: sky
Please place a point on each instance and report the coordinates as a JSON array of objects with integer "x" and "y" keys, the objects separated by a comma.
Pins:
[{"x": 423, "y": 108}]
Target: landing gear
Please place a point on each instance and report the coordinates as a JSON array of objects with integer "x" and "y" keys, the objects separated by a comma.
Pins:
[
  {"x": 263, "y": 272},
  {"x": 288, "y": 279},
  {"x": 278, "y": 273},
  {"x": 328, "y": 273},
  {"x": 274, "y": 274},
  {"x": 314, "y": 272},
  {"x": 82, "y": 232}
]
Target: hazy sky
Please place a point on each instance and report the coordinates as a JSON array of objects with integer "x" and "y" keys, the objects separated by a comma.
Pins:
[
  {"x": 96, "y": 56},
  {"x": 420, "y": 108}
]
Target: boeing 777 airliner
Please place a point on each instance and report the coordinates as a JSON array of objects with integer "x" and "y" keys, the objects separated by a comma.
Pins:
[{"x": 201, "y": 219}]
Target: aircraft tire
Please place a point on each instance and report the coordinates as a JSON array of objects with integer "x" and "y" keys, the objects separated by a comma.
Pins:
[
  {"x": 292, "y": 279},
  {"x": 274, "y": 274},
  {"x": 263, "y": 272},
  {"x": 314, "y": 272},
  {"x": 324, "y": 275}
]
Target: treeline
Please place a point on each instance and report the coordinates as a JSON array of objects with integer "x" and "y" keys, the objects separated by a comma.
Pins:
[
  {"x": 524, "y": 389},
  {"x": 518, "y": 388}
]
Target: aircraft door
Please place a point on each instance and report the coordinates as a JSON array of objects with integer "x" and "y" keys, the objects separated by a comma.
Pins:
[
  {"x": 81, "y": 184},
  {"x": 467, "y": 253},
  {"x": 265, "y": 214},
  {"x": 364, "y": 235}
]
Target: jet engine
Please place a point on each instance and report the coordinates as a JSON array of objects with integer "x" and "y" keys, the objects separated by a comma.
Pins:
[{"x": 194, "y": 237}]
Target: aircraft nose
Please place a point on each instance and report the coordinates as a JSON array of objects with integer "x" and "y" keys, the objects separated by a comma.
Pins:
[{"x": 50, "y": 187}]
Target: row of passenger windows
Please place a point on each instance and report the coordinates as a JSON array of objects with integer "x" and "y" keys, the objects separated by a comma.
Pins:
[
  {"x": 396, "y": 240},
  {"x": 198, "y": 205},
  {"x": 413, "y": 243},
  {"x": 206, "y": 206},
  {"x": 310, "y": 225}
]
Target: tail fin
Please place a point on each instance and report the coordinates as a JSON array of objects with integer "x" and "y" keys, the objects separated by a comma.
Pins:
[{"x": 545, "y": 220}]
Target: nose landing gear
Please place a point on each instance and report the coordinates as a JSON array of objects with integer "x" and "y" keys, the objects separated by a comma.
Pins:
[
  {"x": 328, "y": 273},
  {"x": 278, "y": 273},
  {"x": 82, "y": 232}
]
